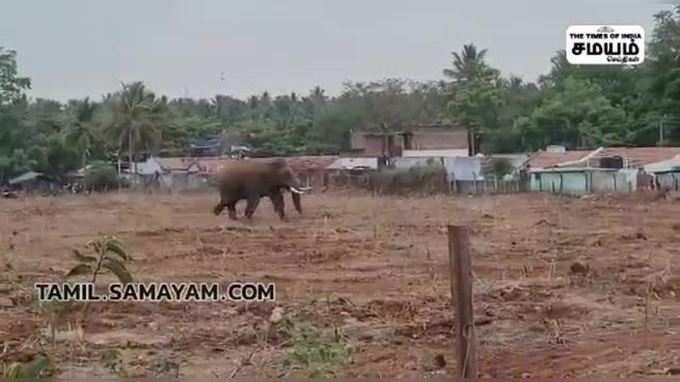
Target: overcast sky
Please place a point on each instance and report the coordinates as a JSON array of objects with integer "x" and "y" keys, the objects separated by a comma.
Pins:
[{"x": 78, "y": 48}]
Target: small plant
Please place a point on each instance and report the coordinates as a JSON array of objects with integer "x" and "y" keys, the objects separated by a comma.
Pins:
[
  {"x": 114, "y": 360},
  {"x": 312, "y": 349},
  {"x": 28, "y": 371},
  {"x": 109, "y": 255}
]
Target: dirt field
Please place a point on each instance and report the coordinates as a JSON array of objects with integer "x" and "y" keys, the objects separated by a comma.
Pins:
[{"x": 563, "y": 287}]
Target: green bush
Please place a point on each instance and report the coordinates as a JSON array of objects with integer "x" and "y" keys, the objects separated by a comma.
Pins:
[
  {"x": 498, "y": 168},
  {"x": 103, "y": 179},
  {"x": 427, "y": 179}
]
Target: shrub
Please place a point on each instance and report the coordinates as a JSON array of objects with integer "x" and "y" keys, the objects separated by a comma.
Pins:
[
  {"x": 427, "y": 179},
  {"x": 498, "y": 168},
  {"x": 103, "y": 179}
]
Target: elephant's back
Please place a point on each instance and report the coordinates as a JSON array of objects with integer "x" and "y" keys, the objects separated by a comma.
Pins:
[{"x": 238, "y": 172}]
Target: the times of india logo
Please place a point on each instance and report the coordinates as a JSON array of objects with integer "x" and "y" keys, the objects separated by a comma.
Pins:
[{"x": 605, "y": 44}]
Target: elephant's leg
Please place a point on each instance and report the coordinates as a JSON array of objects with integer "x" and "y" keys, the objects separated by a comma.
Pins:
[
  {"x": 253, "y": 201},
  {"x": 232, "y": 210},
  {"x": 218, "y": 208},
  {"x": 279, "y": 205},
  {"x": 226, "y": 199}
]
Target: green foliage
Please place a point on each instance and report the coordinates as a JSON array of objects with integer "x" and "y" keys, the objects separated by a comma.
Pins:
[
  {"x": 114, "y": 360},
  {"x": 29, "y": 371},
  {"x": 102, "y": 178},
  {"x": 498, "y": 168},
  {"x": 11, "y": 85},
  {"x": 58, "y": 157},
  {"x": 429, "y": 178},
  {"x": 312, "y": 349},
  {"x": 475, "y": 93},
  {"x": 109, "y": 255},
  {"x": 577, "y": 116},
  {"x": 134, "y": 118}
]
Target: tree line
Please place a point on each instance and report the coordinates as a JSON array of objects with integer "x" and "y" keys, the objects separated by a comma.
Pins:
[{"x": 575, "y": 106}]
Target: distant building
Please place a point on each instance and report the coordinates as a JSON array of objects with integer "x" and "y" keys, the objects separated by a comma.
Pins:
[
  {"x": 610, "y": 169},
  {"x": 603, "y": 157},
  {"x": 174, "y": 174},
  {"x": 582, "y": 180},
  {"x": 420, "y": 137}
]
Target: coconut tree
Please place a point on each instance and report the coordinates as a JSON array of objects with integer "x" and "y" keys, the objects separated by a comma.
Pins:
[
  {"x": 468, "y": 65},
  {"x": 475, "y": 92},
  {"x": 80, "y": 128},
  {"x": 135, "y": 119}
]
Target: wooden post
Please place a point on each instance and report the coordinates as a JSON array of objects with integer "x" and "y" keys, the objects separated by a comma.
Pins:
[{"x": 461, "y": 292}]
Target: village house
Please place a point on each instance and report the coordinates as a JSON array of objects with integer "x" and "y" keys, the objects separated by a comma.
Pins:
[
  {"x": 348, "y": 171},
  {"x": 176, "y": 174},
  {"x": 612, "y": 169},
  {"x": 666, "y": 173},
  {"x": 421, "y": 140}
]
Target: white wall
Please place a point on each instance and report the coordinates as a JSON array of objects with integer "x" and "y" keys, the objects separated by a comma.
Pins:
[
  {"x": 435, "y": 153},
  {"x": 406, "y": 163},
  {"x": 349, "y": 163},
  {"x": 149, "y": 167}
]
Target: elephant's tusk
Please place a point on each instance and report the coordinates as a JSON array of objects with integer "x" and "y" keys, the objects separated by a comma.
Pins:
[
  {"x": 304, "y": 189},
  {"x": 295, "y": 190}
]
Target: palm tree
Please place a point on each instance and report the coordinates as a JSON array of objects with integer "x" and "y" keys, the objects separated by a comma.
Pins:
[
  {"x": 471, "y": 77},
  {"x": 11, "y": 86},
  {"x": 136, "y": 119},
  {"x": 468, "y": 65},
  {"x": 80, "y": 128}
]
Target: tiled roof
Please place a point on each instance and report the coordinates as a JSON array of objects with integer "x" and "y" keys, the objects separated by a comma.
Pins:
[
  {"x": 639, "y": 156},
  {"x": 545, "y": 159},
  {"x": 633, "y": 156}
]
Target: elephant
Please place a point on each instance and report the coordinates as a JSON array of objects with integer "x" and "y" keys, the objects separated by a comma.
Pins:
[{"x": 254, "y": 179}]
